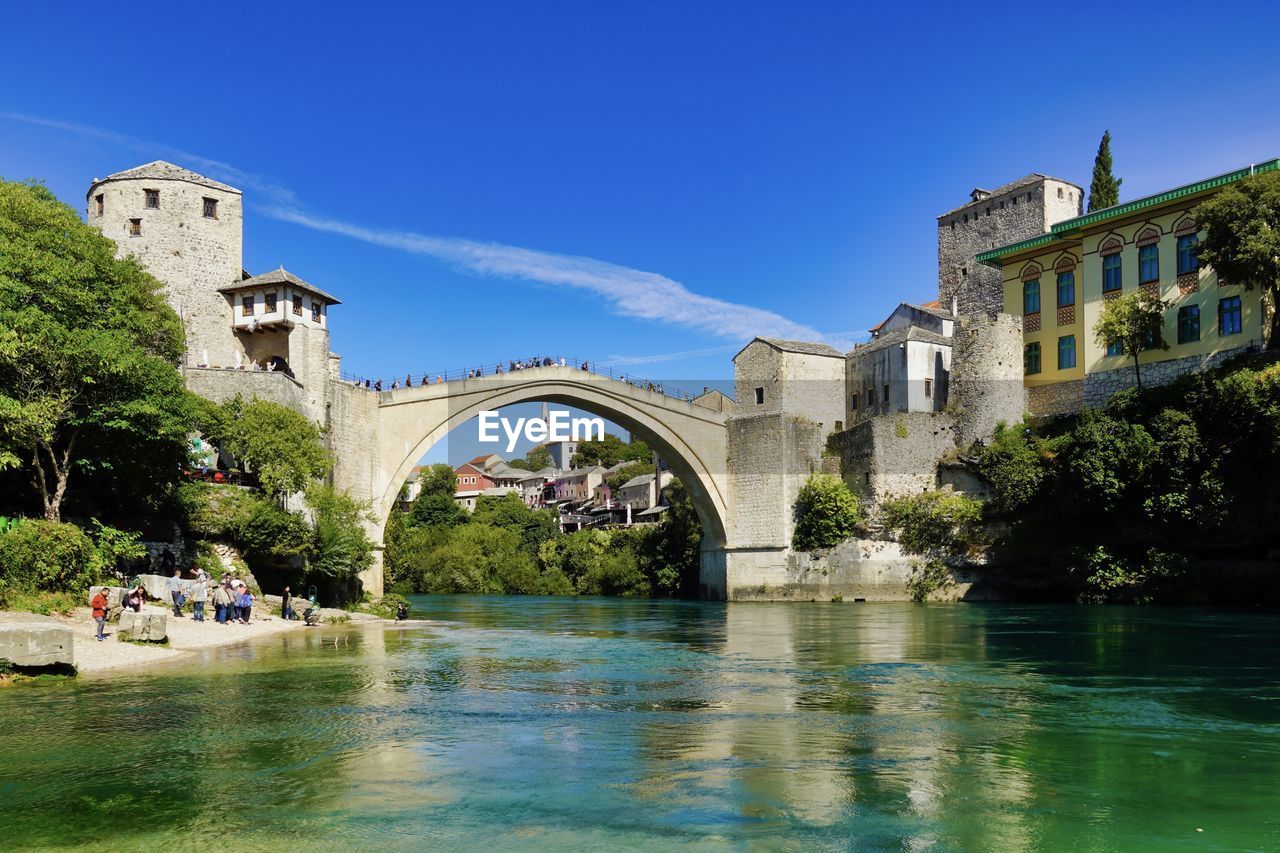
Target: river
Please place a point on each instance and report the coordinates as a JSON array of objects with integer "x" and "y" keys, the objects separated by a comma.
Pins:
[{"x": 604, "y": 723}]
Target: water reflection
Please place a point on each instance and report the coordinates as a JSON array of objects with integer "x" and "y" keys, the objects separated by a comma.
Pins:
[{"x": 551, "y": 723}]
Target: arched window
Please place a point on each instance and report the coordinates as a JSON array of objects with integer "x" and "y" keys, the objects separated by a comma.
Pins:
[{"x": 1031, "y": 296}]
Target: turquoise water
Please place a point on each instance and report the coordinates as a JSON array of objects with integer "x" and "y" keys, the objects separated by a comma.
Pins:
[{"x": 595, "y": 723}]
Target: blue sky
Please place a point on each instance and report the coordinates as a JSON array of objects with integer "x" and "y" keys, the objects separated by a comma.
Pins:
[{"x": 624, "y": 182}]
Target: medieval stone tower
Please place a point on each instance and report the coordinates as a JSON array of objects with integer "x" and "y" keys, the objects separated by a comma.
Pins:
[
  {"x": 186, "y": 229},
  {"x": 1017, "y": 211}
]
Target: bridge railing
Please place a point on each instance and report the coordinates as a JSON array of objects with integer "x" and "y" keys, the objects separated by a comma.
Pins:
[{"x": 514, "y": 366}]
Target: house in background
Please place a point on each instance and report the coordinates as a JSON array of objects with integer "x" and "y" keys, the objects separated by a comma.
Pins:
[
  {"x": 904, "y": 367},
  {"x": 642, "y": 493}
]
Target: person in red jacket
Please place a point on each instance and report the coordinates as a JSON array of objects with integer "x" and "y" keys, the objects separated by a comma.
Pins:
[{"x": 99, "y": 605}]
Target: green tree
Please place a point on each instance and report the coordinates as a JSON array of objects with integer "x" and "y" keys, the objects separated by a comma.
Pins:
[
  {"x": 437, "y": 479},
  {"x": 1104, "y": 191},
  {"x": 280, "y": 445},
  {"x": 827, "y": 513},
  {"x": 340, "y": 549},
  {"x": 88, "y": 356},
  {"x": 1135, "y": 321},
  {"x": 935, "y": 524},
  {"x": 433, "y": 509},
  {"x": 535, "y": 460},
  {"x": 509, "y": 512},
  {"x": 1242, "y": 238},
  {"x": 678, "y": 544},
  {"x": 609, "y": 451}
]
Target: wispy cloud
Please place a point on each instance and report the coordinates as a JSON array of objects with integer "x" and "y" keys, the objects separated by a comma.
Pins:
[
  {"x": 626, "y": 360},
  {"x": 628, "y": 292}
]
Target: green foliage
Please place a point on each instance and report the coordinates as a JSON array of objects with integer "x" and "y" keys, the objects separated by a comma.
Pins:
[
  {"x": 7, "y": 524},
  {"x": 509, "y": 512},
  {"x": 1242, "y": 238},
  {"x": 88, "y": 355},
  {"x": 253, "y": 523},
  {"x": 48, "y": 556},
  {"x": 280, "y": 445},
  {"x": 927, "y": 577},
  {"x": 41, "y": 603},
  {"x": 1015, "y": 463},
  {"x": 115, "y": 546},
  {"x": 935, "y": 524},
  {"x": 1104, "y": 191},
  {"x": 609, "y": 451},
  {"x": 619, "y": 478},
  {"x": 339, "y": 546},
  {"x": 538, "y": 458},
  {"x": 1135, "y": 321},
  {"x": 433, "y": 509},
  {"x": 437, "y": 479},
  {"x": 1116, "y": 578},
  {"x": 827, "y": 513}
]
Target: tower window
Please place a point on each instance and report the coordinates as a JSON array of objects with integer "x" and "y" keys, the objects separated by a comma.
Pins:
[
  {"x": 759, "y": 396},
  {"x": 853, "y": 401},
  {"x": 101, "y": 200},
  {"x": 135, "y": 227},
  {"x": 210, "y": 208},
  {"x": 964, "y": 272},
  {"x": 269, "y": 301},
  {"x": 152, "y": 199},
  {"x": 928, "y": 389},
  {"x": 315, "y": 311},
  {"x": 297, "y": 304},
  {"x": 246, "y": 306},
  {"x": 886, "y": 392},
  {"x": 1059, "y": 192}
]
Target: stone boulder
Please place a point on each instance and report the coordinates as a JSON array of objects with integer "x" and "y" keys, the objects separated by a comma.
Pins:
[
  {"x": 149, "y": 627},
  {"x": 35, "y": 644},
  {"x": 157, "y": 586},
  {"x": 115, "y": 600}
]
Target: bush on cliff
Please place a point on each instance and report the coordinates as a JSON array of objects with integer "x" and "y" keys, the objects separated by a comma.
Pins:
[
  {"x": 827, "y": 513},
  {"x": 936, "y": 524}
]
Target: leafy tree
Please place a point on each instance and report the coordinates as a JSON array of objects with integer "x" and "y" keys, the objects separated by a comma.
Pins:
[
  {"x": 1015, "y": 465},
  {"x": 537, "y": 458},
  {"x": 935, "y": 524},
  {"x": 437, "y": 479},
  {"x": 827, "y": 513},
  {"x": 280, "y": 445},
  {"x": 509, "y": 512},
  {"x": 340, "y": 549},
  {"x": 433, "y": 509},
  {"x": 677, "y": 547},
  {"x": 1106, "y": 461},
  {"x": 1135, "y": 321},
  {"x": 88, "y": 355},
  {"x": 1104, "y": 191},
  {"x": 609, "y": 451},
  {"x": 1242, "y": 238},
  {"x": 48, "y": 556}
]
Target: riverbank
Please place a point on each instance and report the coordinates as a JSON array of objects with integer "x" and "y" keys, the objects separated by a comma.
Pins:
[{"x": 185, "y": 637}]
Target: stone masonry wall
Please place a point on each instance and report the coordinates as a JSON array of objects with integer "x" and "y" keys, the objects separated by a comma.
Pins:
[
  {"x": 1098, "y": 387},
  {"x": 986, "y": 386},
  {"x": 223, "y": 385},
  {"x": 1024, "y": 211},
  {"x": 191, "y": 254},
  {"x": 894, "y": 455},
  {"x": 1058, "y": 398}
]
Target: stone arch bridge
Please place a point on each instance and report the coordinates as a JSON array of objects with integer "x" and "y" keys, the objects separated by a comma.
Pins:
[{"x": 379, "y": 437}]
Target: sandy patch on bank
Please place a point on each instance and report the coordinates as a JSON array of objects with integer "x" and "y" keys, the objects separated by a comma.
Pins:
[{"x": 185, "y": 636}]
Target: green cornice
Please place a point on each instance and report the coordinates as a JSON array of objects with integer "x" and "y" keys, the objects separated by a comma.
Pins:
[{"x": 1071, "y": 227}]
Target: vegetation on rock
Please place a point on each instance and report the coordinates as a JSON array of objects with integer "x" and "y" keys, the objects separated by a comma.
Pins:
[{"x": 827, "y": 513}]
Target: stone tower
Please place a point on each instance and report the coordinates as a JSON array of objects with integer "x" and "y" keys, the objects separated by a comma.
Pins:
[
  {"x": 1017, "y": 211},
  {"x": 986, "y": 385},
  {"x": 186, "y": 229}
]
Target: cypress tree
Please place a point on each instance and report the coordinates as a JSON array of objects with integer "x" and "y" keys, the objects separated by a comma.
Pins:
[{"x": 1105, "y": 189}]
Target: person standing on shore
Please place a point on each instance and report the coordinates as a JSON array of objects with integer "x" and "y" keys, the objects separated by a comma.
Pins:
[
  {"x": 199, "y": 594},
  {"x": 246, "y": 604},
  {"x": 286, "y": 600},
  {"x": 175, "y": 592},
  {"x": 99, "y": 605},
  {"x": 221, "y": 603}
]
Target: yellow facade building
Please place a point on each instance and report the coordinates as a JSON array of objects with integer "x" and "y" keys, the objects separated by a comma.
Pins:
[{"x": 1059, "y": 281}]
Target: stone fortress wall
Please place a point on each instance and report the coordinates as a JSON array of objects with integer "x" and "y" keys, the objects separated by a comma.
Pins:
[
  {"x": 193, "y": 255},
  {"x": 1019, "y": 210}
]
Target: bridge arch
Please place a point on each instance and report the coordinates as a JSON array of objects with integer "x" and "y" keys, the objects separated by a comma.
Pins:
[{"x": 691, "y": 438}]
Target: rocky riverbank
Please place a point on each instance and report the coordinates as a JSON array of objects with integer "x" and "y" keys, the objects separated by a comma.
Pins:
[{"x": 185, "y": 636}]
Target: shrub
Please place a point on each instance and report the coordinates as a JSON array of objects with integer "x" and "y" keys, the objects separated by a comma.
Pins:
[
  {"x": 48, "y": 556},
  {"x": 928, "y": 577},
  {"x": 827, "y": 513},
  {"x": 116, "y": 546},
  {"x": 935, "y": 524}
]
